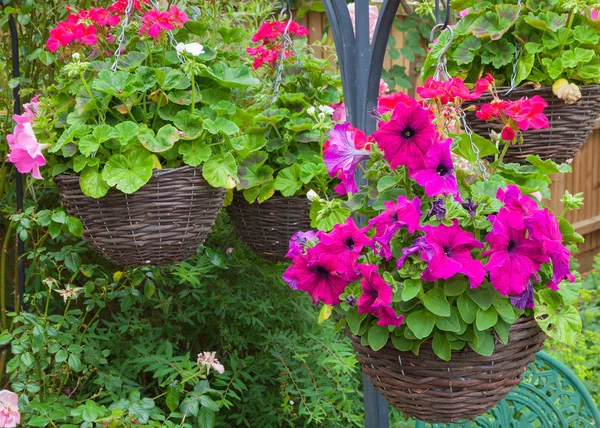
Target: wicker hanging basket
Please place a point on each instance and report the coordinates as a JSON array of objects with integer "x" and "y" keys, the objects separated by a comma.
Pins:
[
  {"x": 570, "y": 124},
  {"x": 162, "y": 223},
  {"x": 432, "y": 390},
  {"x": 267, "y": 228}
]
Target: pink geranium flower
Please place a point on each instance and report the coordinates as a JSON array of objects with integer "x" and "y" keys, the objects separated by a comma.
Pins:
[
  {"x": 403, "y": 213},
  {"x": 154, "y": 22},
  {"x": 543, "y": 227},
  {"x": 343, "y": 157},
  {"x": 322, "y": 275},
  {"x": 528, "y": 113},
  {"x": 448, "y": 253},
  {"x": 388, "y": 102},
  {"x": 437, "y": 174},
  {"x": 344, "y": 238},
  {"x": 513, "y": 256},
  {"x": 407, "y": 137},
  {"x": 9, "y": 409},
  {"x": 376, "y": 292}
]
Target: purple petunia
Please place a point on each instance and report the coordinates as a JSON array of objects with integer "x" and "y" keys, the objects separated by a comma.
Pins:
[
  {"x": 525, "y": 299},
  {"x": 299, "y": 242},
  {"x": 437, "y": 174}
]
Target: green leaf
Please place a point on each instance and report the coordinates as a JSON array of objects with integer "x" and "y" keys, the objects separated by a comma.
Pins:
[
  {"x": 486, "y": 319},
  {"x": 129, "y": 173},
  {"x": 74, "y": 362},
  {"x": 169, "y": 78},
  {"x": 498, "y": 53},
  {"x": 524, "y": 66},
  {"x": 441, "y": 346},
  {"x": 421, "y": 323},
  {"x": 172, "y": 399},
  {"x": 467, "y": 308},
  {"x": 131, "y": 60},
  {"x": 125, "y": 132},
  {"x": 483, "y": 343},
  {"x": 221, "y": 125},
  {"x": 288, "y": 180},
  {"x": 92, "y": 184},
  {"x": 72, "y": 132},
  {"x": 260, "y": 193},
  {"x": 435, "y": 300},
  {"x": 378, "y": 337},
  {"x": 495, "y": 24},
  {"x": 195, "y": 153},
  {"x": 232, "y": 35},
  {"x": 386, "y": 182},
  {"x": 484, "y": 296},
  {"x": 206, "y": 418},
  {"x": 119, "y": 84},
  {"x": 236, "y": 77},
  {"x": 102, "y": 133},
  {"x": 88, "y": 145},
  {"x": 546, "y": 21},
  {"x": 221, "y": 171},
  {"x": 324, "y": 314},
  {"x": 586, "y": 35},
  {"x": 75, "y": 226},
  {"x": 462, "y": 147},
  {"x": 253, "y": 172},
  {"x": 502, "y": 329},
  {"x": 61, "y": 356},
  {"x": 455, "y": 286},
  {"x": 165, "y": 138},
  {"x": 401, "y": 343},
  {"x": 354, "y": 320},
  {"x": 559, "y": 321},
  {"x": 505, "y": 310},
  {"x": 465, "y": 51},
  {"x": 190, "y": 125},
  {"x": 451, "y": 323},
  {"x": 411, "y": 289},
  {"x": 324, "y": 215},
  {"x": 572, "y": 58},
  {"x": 311, "y": 170}
]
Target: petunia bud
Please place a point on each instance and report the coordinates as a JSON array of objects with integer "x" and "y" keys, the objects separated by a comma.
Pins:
[{"x": 564, "y": 90}]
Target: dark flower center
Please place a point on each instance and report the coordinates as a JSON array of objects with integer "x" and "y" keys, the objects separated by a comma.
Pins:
[
  {"x": 511, "y": 245},
  {"x": 349, "y": 243},
  {"x": 442, "y": 170},
  {"x": 322, "y": 272},
  {"x": 372, "y": 292},
  {"x": 407, "y": 133},
  {"x": 394, "y": 216},
  {"x": 446, "y": 250}
]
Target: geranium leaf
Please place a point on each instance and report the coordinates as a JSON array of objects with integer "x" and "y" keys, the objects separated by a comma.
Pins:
[
  {"x": 232, "y": 35},
  {"x": 221, "y": 171},
  {"x": 463, "y": 148},
  {"x": 421, "y": 323},
  {"x": 102, "y": 133},
  {"x": 465, "y": 50},
  {"x": 495, "y": 24},
  {"x": 88, "y": 145},
  {"x": 195, "y": 153},
  {"x": 72, "y": 132},
  {"x": 165, "y": 138},
  {"x": 170, "y": 78},
  {"x": 237, "y": 77},
  {"x": 147, "y": 78},
  {"x": 524, "y": 66},
  {"x": 131, "y": 60},
  {"x": 288, "y": 180},
  {"x": 554, "y": 68},
  {"x": 92, "y": 184},
  {"x": 546, "y": 21},
  {"x": 499, "y": 53},
  {"x": 252, "y": 171},
  {"x": 129, "y": 173},
  {"x": 561, "y": 322},
  {"x": 326, "y": 214},
  {"x": 586, "y": 35},
  {"x": 221, "y": 125},
  {"x": 125, "y": 132},
  {"x": 572, "y": 58},
  {"x": 190, "y": 125}
]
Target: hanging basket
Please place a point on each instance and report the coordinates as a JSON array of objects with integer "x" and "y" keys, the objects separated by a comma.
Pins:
[
  {"x": 162, "y": 223},
  {"x": 432, "y": 390},
  {"x": 570, "y": 124},
  {"x": 267, "y": 228}
]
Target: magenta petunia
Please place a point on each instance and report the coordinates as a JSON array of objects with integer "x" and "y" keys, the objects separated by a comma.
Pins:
[
  {"x": 449, "y": 253},
  {"x": 344, "y": 238},
  {"x": 437, "y": 174},
  {"x": 516, "y": 206},
  {"x": 388, "y": 317},
  {"x": 320, "y": 274},
  {"x": 544, "y": 228},
  {"x": 419, "y": 245},
  {"x": 299, "y": 242},
  {"x": 343, "y": 157},
  {"x": 513, "y": 257},
  {"x": 407, "y": 137},
  {"x": 403, "y": 213},
  {"x": 376, "y": 292}
]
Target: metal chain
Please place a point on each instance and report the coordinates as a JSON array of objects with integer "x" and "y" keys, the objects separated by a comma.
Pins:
[
  {"x": 513, "y": 78},
  {"x": 121, "y": 38},
  {"x": 469, "y": 132}
]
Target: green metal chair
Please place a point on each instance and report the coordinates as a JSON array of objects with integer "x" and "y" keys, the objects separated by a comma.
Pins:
[{"x": 550, "y": 396}]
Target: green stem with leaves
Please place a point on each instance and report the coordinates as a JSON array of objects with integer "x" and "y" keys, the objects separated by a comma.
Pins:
[
  {"x": 569, "y": 25},
  {"x": 3, "y": 275},
  {"x": 92, "y": 99}
]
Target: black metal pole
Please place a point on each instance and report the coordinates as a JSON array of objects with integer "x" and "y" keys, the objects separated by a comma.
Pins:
[{"x": 18, "y": 176}]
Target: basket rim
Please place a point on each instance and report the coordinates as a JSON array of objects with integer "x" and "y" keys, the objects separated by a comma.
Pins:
[{"x": 155, "y": 173}]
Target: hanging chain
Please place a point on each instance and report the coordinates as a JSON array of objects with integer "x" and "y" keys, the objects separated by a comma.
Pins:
[
  {"x": 513, "y": 78},
  {"x": 469, "y": 132},
  {"x": 121, "y": 38}
]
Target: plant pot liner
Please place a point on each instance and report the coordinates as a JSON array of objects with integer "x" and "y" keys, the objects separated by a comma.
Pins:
[
  {"x": 432, "y": 390},
  {"x": 163, "y": 223}
]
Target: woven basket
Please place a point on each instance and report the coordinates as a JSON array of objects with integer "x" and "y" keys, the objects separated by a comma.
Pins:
[
  {"x": 162, "y": 223},
  {"x": 267, "y": 228},
  {"x": 570, "y": 124},
  {"x": 432, "y": 390}
]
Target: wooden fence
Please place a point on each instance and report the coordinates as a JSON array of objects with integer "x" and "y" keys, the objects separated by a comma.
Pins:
[{"x": 584, "y": 178}]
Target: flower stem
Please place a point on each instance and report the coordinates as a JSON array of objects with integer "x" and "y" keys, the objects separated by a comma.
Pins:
[
  {"x": 3, "y": 274},
  {"x": 569, "y": 25},
  {"x": 89, "y": 92},
  {"x": 193, "y": 75},
  {"x": 407, "y": 183}
]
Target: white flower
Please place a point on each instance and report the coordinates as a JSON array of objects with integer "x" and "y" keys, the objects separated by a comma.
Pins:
[
  {"x": 76, "y": 56},
  {"x": 194, "y": 49},
  {"x": 69, "y": 293},
  {"x": 311, "y": 110},
  {"x": 326, "y": 109},
  {"x": 321, "y": 115},
  {"x": 291, "y": 402},
  {"x": 208, "y": 360},
  {"x": 312, "y": 195},
  {"x": 180, "y": 47}
]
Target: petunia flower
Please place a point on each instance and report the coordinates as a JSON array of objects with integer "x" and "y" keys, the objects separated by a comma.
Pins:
[
  {"x": 525, "y": 299},
  {"x": 9, "y": 409},
  {"x": 544, "y": 228},
  {"x": 403, "y": 213},
  {"x": 438, "y": 209},
  {"x": 513, "y": 257},
  {"x": 407, "y": 137},
  {"x": 419, "y": 245},
  {"x": 322, "y": 275},
  {"x": 388, "y": 317},
  {"x": 342, "y": 157},
  {"x": 376, "y": 292},
  {"x": 471, "y": 207},
  {"x": 516, "y": 206},
  {"x": 299, "y": 242},
  {"x": 344, "y": 238},
  {"x": 449, "y": 253},
  {"x": 436, "y": 174}
]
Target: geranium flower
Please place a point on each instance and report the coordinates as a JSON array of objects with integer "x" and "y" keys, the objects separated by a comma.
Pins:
[
  {"x": 449, "y": 253},
  {"x": 339, "y": 112},
  {"x": 387, "y": 103},
  {"x": 344, "y": 238},
  {"x": 525, "y": 299},
  {"x": 528, "y": 113},
  {"x": 388, "y": 317},
  {"x": 154, "y": 22},
  {"x": 103, "y": 17},
  {"x": 403, "y": 213},
  {"x": 492, "y": 110},
  {"x": 516, "y": 206},
  {"x": 436, "y": 174},
  {"x": 322, "y": 275},
  {"x": 376, "y": 292},
  {"x": 453, "y": 90},
  {"x": 343, "y": 156},
  {"x": 543, "y": 227},
  {"x": 120, "y": 5},
  {"x": 9, "y": 409},
  {"x": 300, "y": 242},
  {"x": 513, "y": 257},
  {"x": 383, "y": 87},
  {"x": 407, "y": 137}
]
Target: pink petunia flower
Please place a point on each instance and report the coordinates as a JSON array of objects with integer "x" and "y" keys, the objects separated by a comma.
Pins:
[
  {"x": 344, "y": 238},
  {"x": 388, "y": 317},
  {"x": 449, "y": 253},
  {"x": 9, "y": 409},
  {"x": 342, "y": 157},
  {"x": 407, "y": 137},
  {"x": 516, "y": 206},
  {"x": 376, "y": 292},
  {"x": 339, "y": 112},
  {"x": 403, "y": 213},
  {"x": 299, "y": 242},
  {"x": 437, "y": 174},
  {"x": 419, "y": 245}
]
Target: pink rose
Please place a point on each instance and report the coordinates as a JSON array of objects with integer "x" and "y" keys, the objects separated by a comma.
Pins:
[
  {"x": 373, "y": 17},
  {"x": 9, "y": 409}
]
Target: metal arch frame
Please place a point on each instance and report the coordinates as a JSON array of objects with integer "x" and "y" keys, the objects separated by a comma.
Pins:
[{"x": 361, "y": 65}]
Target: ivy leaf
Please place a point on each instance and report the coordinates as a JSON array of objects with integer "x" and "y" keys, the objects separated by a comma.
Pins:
[
  {"x": 421, "y": 323},
  {"x": 495, "y": 24},
  {"x": 221, "y": 125},
  {"x": 441, "y": 346},
  {"x": 190, "y": 125},
  {"x": 92, "y": 184},
  {"x": 129, "y": 173},
  {"x": 378, "y": 337},
  {"x": 165, "y": 138},
  {"x": 572, "y": 58},
  {"x": 221, "y": 171},
  {"x": 195, "y": 153},
  {"x": 288, "y": 180},
  {"x": 435, "y": 300}
]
